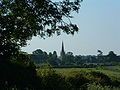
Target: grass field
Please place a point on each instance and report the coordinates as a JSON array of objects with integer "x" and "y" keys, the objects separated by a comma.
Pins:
[
  {"x": 112, "y": 71},
  {"x": 106, "y": 78}
]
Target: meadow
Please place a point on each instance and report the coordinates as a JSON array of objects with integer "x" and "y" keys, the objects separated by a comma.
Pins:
[
  {"x": 112, "y": 71},
  {"x": 100, "y": 78}
]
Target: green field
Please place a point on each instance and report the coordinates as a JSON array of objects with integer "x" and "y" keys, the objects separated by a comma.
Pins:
[
  {"x": 112, "y": 71},
  {"x": 100, "y": 78}
]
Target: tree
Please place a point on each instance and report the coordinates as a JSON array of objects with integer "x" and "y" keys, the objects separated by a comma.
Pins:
[
  {"x": 39, "y": 56},
  {"x": 112, "y": 56},
  {"x": 69, "y": 59},
  {"x": 78, "y": 59},
  {"x": 100, "y": 56},
  {"x": 55, "y": 54},
  {"x": 20, "y": 20},
  {"x": 100, "y": 53},
  {"x": 37, "y": 52},
  {"x": 52, "y": 59}
]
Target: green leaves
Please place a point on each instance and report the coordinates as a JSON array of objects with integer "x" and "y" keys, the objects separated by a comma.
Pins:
[
  {"x": 36, "y": 16},
  {"x": 20, "y": 20}
]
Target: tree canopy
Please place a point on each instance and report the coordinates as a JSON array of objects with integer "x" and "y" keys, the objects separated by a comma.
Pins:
[{"x": 20, "y": 20}]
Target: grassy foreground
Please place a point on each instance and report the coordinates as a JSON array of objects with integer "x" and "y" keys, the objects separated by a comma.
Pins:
[
  {"x": 112, "y": 71},
  {"x": 101, "y": 78}
]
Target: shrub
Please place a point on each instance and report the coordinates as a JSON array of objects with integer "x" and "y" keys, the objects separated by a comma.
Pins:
[
  {"x": 51, "y": 80},
  {"x": 16, "y": 75},
  {"x": 78, "y": 81},
  {"x": 99, "y": 78},
  {"x": 99, "y": 87}
]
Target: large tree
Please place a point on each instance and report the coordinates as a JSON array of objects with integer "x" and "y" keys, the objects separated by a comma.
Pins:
[{"x": 20, "y": 20}]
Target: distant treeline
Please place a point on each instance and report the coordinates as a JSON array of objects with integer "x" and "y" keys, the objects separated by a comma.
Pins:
[{"x": 40, "y": 57}]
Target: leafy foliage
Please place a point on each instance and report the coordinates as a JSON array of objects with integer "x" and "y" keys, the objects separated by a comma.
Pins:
[
  {"x": 78, "y": 81},
  {"x": 16, "y": 75},
  {"x": 100, "y": 78},
  {"x": 20, "y": 20},
  {"x": 99, "y": 87},
  {"x": 51, "y": 80}
]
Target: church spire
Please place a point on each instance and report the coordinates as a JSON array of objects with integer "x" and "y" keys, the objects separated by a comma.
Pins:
[
  {"x": 62, "y": 47},
  {"x": 62, "y": 54}
]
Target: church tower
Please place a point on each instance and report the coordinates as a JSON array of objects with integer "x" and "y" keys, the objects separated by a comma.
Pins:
[{"x": 62, "y": 54}]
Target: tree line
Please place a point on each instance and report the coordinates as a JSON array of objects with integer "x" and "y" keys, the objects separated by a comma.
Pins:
[{"x": 40, "y": 57}]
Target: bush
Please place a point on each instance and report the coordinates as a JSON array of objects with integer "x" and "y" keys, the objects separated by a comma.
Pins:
[
  {"x": 51, "y": 80},
  {"x": 99, "y": 87},
  {"x": 99, "y": 78},
  {"x": 78, "y": 81},
  {"x": 14, "y": 75}
]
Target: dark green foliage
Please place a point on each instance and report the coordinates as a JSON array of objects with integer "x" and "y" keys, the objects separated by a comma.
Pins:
[
  {"x": 25, "y": 77},
  {"x": 78, "y": 81},
  {"x": 39, "y": 56},
  {"x": 51, "y": 80},
  {"x": 53, "y": 59},
  {"x": 115, "y": 83},
  {"x": 69, "y": 60},
  {"x": 100, "y": 78},
  {"x": 112, "y": 57},
  {"x": 54, "y": 81},
  {"x": 20, "y": 20},
  {"x": 16, "y": 75}
]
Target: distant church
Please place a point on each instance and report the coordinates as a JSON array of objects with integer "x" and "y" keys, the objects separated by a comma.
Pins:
[{"x": 62, "y": 53}]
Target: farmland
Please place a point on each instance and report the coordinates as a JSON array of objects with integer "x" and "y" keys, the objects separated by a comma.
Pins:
[
  {"x": 111, "y": 71},
  {"x": 100, "y": 78}
]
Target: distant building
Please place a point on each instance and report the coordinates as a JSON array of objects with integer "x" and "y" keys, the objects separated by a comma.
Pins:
[{"x": 62, "y": 53}]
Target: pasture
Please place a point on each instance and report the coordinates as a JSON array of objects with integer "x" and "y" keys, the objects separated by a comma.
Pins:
[
  {"x": 112, "y": 71},
  {"x": 100, "y": 78}
]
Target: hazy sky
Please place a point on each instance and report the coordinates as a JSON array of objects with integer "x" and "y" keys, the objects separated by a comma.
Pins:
[{"x": 99, "y": 23}]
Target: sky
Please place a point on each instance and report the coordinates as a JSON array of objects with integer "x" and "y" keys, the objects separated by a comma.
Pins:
[{"x": 99, "y": 23}]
